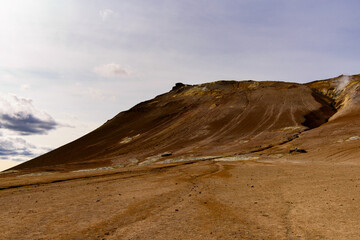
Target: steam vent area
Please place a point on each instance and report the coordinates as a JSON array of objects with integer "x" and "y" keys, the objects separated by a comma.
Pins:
[{"x": 219, "y": 160}]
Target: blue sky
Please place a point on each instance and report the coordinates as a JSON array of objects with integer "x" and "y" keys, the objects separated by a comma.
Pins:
[{"x": 68, "y": 66}]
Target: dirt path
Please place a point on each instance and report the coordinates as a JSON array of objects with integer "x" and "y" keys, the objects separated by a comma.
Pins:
[{"x": 203, "y": 200}]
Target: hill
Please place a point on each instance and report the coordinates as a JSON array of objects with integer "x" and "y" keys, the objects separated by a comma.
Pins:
[
  {"x": 221, "y": 160},
  {"x": 217, "y": 119}
]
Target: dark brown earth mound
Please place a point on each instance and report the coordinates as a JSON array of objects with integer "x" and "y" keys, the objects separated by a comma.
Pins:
[{"x": 222, "y": 118}]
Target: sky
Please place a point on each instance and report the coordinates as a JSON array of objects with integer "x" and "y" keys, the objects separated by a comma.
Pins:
[{"x": 68, "y": 66}]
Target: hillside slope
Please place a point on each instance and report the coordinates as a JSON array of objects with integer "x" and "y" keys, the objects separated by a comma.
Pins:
[
  {"x": 222, "y": 160},
  {"x": 224, "y": 118}
]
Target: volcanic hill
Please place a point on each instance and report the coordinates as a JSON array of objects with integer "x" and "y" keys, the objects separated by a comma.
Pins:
[
  {"x": 217, "y": 119},
  {"x": 221, "y": 160}
]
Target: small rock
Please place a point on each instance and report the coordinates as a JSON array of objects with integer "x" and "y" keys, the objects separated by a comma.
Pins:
[
  {"x": 178, "y": 85},
  {"x": 352, "y": 138},
  {"x": 166, "y": 154},
  {"x": 297, "y": 150}
]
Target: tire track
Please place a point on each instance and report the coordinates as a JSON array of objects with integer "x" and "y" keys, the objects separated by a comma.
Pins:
[{"x": 150, "y": 207}]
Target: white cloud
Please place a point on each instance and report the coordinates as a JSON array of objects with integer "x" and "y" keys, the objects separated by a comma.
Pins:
[
  {"x": 94, "y": 92},
  {"x": 97, "y": 94},
  {"x": 19, "y": 115},
  {"x": 105, "y": 13},
  {"x": 112, "y": 70},
  {"x": 25, "y": 87},
  {"x": 15, "y": 147},
  {"x": 14, "y": 150}
]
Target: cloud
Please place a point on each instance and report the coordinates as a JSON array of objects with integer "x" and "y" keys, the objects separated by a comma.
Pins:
[
  {"x": 20, "y": 116},
  {"x": 25, "y": 87},
  {"x": 16, "y": 147},
  {"x": 105, "y": 13},
  {"x": 112, "y": 70},
  {"x": 14, "y": 150},
  {"x": 97, "y": 94}
]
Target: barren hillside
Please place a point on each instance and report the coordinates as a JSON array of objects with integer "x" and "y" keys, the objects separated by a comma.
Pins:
[
  {"x": 221, "y": 160},
  {"x": 224, "y": 118}
]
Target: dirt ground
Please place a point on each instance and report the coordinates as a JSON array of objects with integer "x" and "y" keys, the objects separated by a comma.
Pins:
[
  {"x": 162, "y": 169},
  {"x": 197, "y": 200}
]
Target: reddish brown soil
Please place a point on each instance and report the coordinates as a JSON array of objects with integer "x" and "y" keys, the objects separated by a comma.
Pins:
[
  {"x": 203, "y": 200},
  {"x": 246, "y": 185}
]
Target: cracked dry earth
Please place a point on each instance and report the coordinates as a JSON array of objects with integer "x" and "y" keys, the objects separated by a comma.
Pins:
[{"x": 194, "y": 200}]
